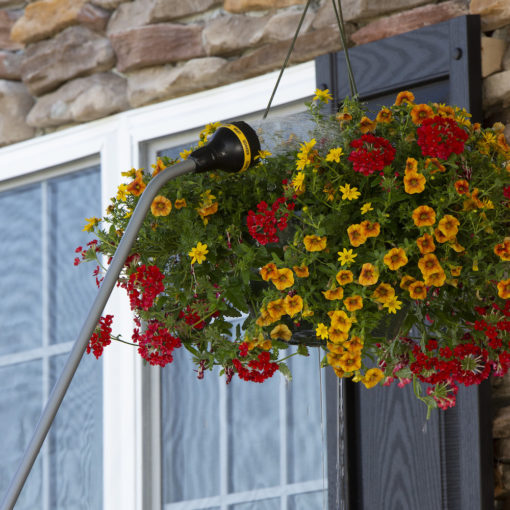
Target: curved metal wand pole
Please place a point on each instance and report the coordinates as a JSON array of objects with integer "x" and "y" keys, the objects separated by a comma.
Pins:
[{"x": 61, "y": 386}]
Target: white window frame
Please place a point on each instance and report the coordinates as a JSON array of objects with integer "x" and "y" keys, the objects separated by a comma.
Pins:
[{"x": 121, "y": 142}]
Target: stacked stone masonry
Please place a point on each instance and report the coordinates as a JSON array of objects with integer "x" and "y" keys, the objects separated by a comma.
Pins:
[{"x": 64, "y": 62}]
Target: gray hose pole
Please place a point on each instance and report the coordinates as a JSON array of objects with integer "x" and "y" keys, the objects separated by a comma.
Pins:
[{"x": 61, "y": 386}]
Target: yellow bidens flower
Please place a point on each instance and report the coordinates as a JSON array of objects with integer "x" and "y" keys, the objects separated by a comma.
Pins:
[
  {"x": 335, "y": 154},
  {"x": 356, "y": 235},
  {"x": 404, "y": 97},
  {"x": 122, "y": 193},
  {"x": 344, "y": 277},
  {"x": 91, "y": 223},
  {"x": 393, "y": 305},
  {"x": 161, "y": 206},
  {"x": 315, "y": 243},
  {"x": 346, "y": 257},
  {"x": 322, "y": 95},
  {"x": 353, "y": 303},
  {"x": 349, "y": 193},
  {"x": 198, "y": 253},
  {"x": 282, "y": 332},
  {"x": 263, "y": 154},
  {"x": 369, "y": 275},
  {"x": 504, "y": 289},
  {"x": 395, "y": 258},
  {"x": 424, "y": 216},
  {"x": 414, "y": 182},
  {"x": 417, "y": 290},
  {"x": 366, "y": 207},
  {"x": 137, "y": 186},
  {"x": 283, "y": 279},
  {"x": 372, "y": 377},
  {"x": 293, "y": 304},
  {"x": 333, "y": 294},
  {"x": 306, "y": 155},
  {"x": 299, "y": 183},
  {"x": 384, "y": 293},
  {"x": 321, "y": 331},
  {"x": 180, "y": 203}
]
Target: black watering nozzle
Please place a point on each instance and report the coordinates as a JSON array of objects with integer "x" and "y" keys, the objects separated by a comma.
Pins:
[{"x": 233, "y": 148}]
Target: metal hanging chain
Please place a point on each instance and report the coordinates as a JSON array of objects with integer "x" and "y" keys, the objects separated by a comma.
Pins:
[
  {"x": 341, "y": 27},
  {"x": 291, "y": 49}
]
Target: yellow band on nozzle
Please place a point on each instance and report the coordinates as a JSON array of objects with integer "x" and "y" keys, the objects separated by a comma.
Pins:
[{"x": 244, "y": 143}]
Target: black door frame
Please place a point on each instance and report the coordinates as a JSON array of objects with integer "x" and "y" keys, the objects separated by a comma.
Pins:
[{"x": 446, "y": 53}]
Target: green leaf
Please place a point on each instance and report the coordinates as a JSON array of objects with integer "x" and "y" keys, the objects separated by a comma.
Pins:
[{"x": 284, "y": 369}]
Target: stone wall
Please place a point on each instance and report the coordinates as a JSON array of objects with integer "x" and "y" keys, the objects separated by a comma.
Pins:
[{"x": 64, "y": 62}]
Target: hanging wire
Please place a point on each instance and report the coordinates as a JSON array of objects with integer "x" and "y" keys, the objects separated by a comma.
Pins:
[
  {"x": 341, "y": 27},
  {"x": 291, "y": 49},
  {"x": 324, "y": 500}
]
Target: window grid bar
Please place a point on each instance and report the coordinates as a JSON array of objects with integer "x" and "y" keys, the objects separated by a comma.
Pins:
[
  {"x": 248, "y": 496},
  {"x": 45, "y": 261},
  {"x": 38, "y": 353},
  {"x": 283, "y": 440},
  {"x": 224, "y": 447}
]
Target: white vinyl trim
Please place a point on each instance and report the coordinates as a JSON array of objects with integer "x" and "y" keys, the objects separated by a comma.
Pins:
[{"x": 121, "y": 142}]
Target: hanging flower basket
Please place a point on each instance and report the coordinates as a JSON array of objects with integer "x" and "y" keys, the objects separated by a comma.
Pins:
[{"x": 381, "y": 238}]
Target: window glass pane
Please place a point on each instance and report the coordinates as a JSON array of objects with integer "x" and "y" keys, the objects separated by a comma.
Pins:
[
  {"x": 304, "y": 424},
  {"x": 20, "y": 285},
  {"x": 254, "y": 434},
  {"x": 71, "y": 199},
  {"x": 265, "y": 504},
  {"x": 20, "y": 407},
  {"x": 189, "y": 431},
  {"x": 307, "y": 501},
  {"x": 76, "y": 445}
]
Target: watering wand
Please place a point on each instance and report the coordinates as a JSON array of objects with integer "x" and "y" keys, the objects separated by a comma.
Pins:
[{"x": 233, "y": 148}]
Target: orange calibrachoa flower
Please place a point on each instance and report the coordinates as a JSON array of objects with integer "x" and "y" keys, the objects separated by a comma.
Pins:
[
  {"x": 462, "y": 187},
  {"x": 354, "y": 345},
  {"x": 356, "y": 235},
  {"x": 436, "y": 279},
  {"x": 429, "y": 264},
  {"x": 265, "y": 318},
  {"x": 369, "y": 275},
  {"x": 406, "y": 281},
  {"x": 502, "y": 250},
  {"x": 180, "y": 203},
  {"x": 350, "y": 362},
  {"x": 336, "y": 334},
  {"x": 341, "y": 319},
  {"x": 366, "y": 125},
  {"x": 404, "y": 97},
  {"x": 426, "y": 244},
  {"x": 440, "y": 237},
  {"x": 283, "y": 279},
  {"x": 424, "y": 216},
  {"x": 293, "y": 304},
  {"x": 395, "y": 258},
  {"x": 383, "y": 293},
  {"x": 335, "y": 348},
  {"x": 158, "y": 167},
  {"x": 276, "y": 309},
  {"x": 504, "y": 289},
  {"x": 161, "y": 206},
  {"x": 420, "y": 112},
  {"x": 435, "y": 166},
  {"x": 414, "y": 182},
  {"x": 334, "y": 294},
  {"x": 417, "y": 290},
  {"x": 282, "y": 332},
  {"x": 343, "y": 117},
  {"x": 301, "y": 271},
  {"x": 455, "y": 270},
  {"x": 344, "y": 276},
  {"x": 137, "y": 186},
  {"x": 269, "y": 271},
  {"x": 315, "y": 243},
  {"x": 448, "y": 225},
  {"x": 384, "y": 116},
  {"x": 207, "y": 210},
  {"x": 411, "y": 166},
  {"x": 353, "y": 303},
  {"x": 372, "y": 377},
  {"x": 370, "y": 229}
]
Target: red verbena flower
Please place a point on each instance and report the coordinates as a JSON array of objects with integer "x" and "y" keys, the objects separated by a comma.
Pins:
[
  {"x": 439, "y": 137},
  {"x": 143, "y": 286},
  {"x": 264, "y": 224},
  {"x": 101, "y": 336},
  {"x": 371, "y": 154},
  {"x": 156, "y": 344}
]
